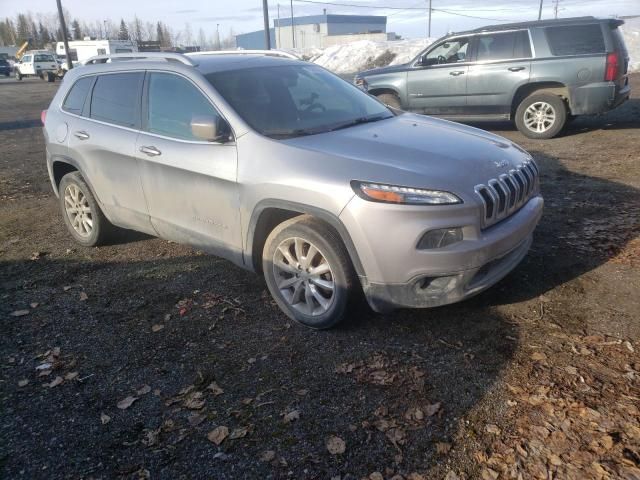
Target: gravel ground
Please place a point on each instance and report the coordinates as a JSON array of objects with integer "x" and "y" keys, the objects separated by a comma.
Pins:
[{"x": 146, "y": 359}]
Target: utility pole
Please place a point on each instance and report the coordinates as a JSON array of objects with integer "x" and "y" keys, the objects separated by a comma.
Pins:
[
  {"x": 278, "y": 42},
  {"x": 265, "y": 14},
  {"x": 293, "y": 29},
  {"x": 429, "y": 26},
  {"x": 218, "y": 46},
  {"x": 540, "y": 10},
  {"x": 106, "y": 34},
  {"x": 555, "y": 9},
  {"x": 65, "y": 37}
]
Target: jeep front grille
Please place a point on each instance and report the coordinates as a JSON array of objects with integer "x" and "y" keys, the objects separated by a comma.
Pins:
[{"x": 504, "y": 195}]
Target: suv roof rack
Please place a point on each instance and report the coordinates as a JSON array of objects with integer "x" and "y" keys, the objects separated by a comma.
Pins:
[
  {"x": 166, "y": 56},
  {"x": 271, "y": 53}
]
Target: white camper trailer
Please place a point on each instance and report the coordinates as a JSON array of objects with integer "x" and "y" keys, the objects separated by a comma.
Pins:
[{"x": 81, "y": 50}]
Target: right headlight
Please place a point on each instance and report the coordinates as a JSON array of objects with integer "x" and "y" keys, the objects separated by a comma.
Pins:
[{"x": 377, "y": 192}]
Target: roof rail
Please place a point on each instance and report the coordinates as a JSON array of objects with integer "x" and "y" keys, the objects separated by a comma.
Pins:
[
  {"x": 167, "y": 56},
  {"x": 270, "y": 53}
]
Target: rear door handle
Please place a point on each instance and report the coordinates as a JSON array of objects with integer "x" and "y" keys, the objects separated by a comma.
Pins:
[
  {"x": 516, "y": 69},
  {"x": 81, "y": 135},
  {"x": 456, "y": 73},
  {"x": 151, "y": 151}
]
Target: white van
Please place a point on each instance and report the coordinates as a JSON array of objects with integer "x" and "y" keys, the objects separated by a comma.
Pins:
[
  {"x": 37, "y": 63},
  {"x": 81, "y": 50}
]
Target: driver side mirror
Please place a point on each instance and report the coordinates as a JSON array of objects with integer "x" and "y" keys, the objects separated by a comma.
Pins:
[{"x": 210, "y": 128}]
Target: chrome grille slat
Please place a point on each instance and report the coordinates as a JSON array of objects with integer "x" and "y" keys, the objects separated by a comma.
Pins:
[{"x": 503, "y": 196}]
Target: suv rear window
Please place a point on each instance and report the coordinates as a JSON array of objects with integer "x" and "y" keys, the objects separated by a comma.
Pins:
[
  {"x": 77, "y": 95},
  {"x": 575, "y": 39},
  {"x": 116, "y": 98},
  {"x": 503, "y": 46}
]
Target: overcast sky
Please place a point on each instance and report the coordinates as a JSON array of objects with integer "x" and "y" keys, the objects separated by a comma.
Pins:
[{"x": 246, "y": 15}]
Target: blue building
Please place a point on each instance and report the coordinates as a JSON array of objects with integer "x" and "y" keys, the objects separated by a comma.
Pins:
[{"x": 317, "y": 31}]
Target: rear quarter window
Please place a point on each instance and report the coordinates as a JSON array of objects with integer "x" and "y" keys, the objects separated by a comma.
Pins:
[
  {"x": 116, "y": 98},
  {"x": 575, "y": 39},
  {"x": 76, "y": 97}
]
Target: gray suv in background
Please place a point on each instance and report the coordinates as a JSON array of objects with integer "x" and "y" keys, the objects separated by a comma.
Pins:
[
  {"x": 287, "y": 170},
  {"x": 539, "y": 74}
]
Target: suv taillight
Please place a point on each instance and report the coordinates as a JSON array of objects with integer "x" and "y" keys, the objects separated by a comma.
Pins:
[
  {"x": 611, "y": 68},
  {"x": 43, "y": 116}
]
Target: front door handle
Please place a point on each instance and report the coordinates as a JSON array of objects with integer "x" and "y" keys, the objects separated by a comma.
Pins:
[
  {"x": 456, "y": 73},
  {"x": 516, "y": 69},
  {"x": 151, "y": 151},
  {"x": 82, "y": 135}
]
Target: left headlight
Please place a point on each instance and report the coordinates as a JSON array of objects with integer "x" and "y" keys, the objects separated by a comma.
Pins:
[{"x": 377, "y": 192}]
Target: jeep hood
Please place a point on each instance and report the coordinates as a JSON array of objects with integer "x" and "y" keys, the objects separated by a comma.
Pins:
[{"x": 416, "y": 150}]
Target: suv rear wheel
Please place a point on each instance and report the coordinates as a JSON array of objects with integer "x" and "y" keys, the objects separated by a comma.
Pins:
[
  {"x": 82, "y": 215},
  {"x": 308, "y": 272},
  {"x": 541, "y": 115}
]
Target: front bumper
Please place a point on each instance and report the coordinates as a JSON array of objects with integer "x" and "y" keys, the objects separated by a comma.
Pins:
[{"x": 397, "y": 274}]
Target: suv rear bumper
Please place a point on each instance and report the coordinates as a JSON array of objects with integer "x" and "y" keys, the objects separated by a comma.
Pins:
[{"x": 598, "y": 98}]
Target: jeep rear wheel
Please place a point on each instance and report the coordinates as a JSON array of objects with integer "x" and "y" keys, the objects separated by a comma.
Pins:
[
  {"x": 82, "y": 215},
  {"x": 390, "y": 99},
  {"x": 541, "y": 116},
  {"x": 308, "y": 272}
]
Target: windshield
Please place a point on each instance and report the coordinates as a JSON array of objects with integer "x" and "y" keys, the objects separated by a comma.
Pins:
[
  {"x": 43, "y": 57},
  {"x": 293, "y": 100}
]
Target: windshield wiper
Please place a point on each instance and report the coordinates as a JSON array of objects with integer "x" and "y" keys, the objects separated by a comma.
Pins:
[{"x": 359, "y": 121}]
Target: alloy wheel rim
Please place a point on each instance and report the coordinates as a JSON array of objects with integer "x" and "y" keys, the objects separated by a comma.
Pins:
[
  {"x": 78, "y": 210},
  {"x": 539, "y": 117},
  {"x": 303, "y": 276}
]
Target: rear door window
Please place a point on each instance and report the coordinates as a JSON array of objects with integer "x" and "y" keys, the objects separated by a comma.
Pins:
[
  {"x": 503, "y": 46},
  {"x": 575, "y": 39},
  {"x": 116, "y": 98},
  {"x": 77, "y": 96}
]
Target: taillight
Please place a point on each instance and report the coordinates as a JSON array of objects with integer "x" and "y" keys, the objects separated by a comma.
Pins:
[
  {"x": 611, "y": 69},
  {"x": 43, "y": 116}
]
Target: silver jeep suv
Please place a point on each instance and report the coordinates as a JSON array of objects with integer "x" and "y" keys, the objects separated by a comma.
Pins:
[{"x": 285, "y": 169}]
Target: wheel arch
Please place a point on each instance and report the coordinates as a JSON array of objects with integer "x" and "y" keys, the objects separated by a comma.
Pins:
[
  {"x": 269, "y": 213},
  {"x": 553, "y": 87}
]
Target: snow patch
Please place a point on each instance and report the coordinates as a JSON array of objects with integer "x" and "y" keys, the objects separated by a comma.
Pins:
[{"x": 359, "y": 55}]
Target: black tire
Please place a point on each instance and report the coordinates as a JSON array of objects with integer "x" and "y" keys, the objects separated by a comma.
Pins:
[
  {"x": 332, "y": 252},
  {"x": 18, "y": 76},
  {"x": 556, "y": 106},
  {"x": 101, "y": 227},
  {"x": 51, "y": 77},
  {"x": 390, "y": 99}
]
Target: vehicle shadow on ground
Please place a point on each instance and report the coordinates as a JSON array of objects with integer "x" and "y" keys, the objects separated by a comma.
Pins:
[
  {"x": 627, "y": 116},
  {"x": 172, "y": 323},
  {"x": 362, "y": 382}
]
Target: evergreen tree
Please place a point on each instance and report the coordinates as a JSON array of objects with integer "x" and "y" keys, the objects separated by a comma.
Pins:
[
  {"x": 160, "y": 34},
  {"x": 22, "y": 34},
  {"x": 123, "y": 34},
  {"x": 77, "y": 32},
  {"x": 44, "y": 35}
]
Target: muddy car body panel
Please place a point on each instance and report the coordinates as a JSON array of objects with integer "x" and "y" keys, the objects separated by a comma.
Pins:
[{"x": 228, "y": 194}]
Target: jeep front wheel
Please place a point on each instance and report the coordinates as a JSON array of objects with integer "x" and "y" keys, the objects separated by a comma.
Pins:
[
  {"x": 541, "y": 116},
  {"x": 308, "y": 272}
]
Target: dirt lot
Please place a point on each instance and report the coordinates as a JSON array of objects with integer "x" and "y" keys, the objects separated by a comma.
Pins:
[{"x": 537, "y": 378}]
